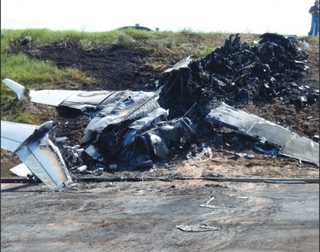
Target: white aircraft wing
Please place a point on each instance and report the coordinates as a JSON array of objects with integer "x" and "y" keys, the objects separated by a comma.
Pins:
[{"x": 69, "y": 98}]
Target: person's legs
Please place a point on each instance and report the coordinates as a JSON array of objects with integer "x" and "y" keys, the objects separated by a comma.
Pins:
[
  {"x": 312, "y": 27},
  {"x": 316, "y": 24}
]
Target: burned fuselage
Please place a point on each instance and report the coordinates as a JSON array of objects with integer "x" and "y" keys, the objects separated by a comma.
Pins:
[{"x": 131, "y": 128}]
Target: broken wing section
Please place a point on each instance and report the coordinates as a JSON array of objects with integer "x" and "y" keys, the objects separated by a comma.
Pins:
[
  {"x": 302, "y": 148},
  {"x": 81, "y": 100},
  {"x": 34, "y": 148},
  {"x": 289, "y": 143}
]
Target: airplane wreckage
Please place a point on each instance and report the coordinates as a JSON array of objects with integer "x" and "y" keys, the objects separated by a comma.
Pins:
[{"x": 132, "y": 129}]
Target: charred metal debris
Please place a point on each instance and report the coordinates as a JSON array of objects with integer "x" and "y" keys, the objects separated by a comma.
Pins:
[
  {"x": 134, "y": 130},
  {"x": 237, "y": 73},
  {"x": 233, "y": 74}
]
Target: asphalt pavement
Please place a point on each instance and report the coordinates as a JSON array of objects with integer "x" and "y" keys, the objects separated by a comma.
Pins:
[{"x": 161, "y": 216}]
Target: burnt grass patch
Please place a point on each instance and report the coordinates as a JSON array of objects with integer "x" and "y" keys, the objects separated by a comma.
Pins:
[{"x": 113, "y": 67}]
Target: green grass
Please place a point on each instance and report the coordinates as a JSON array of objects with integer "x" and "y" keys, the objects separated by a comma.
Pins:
[
  {"x": 21, "y": 68},
  {"x": 44, "y": 74}
]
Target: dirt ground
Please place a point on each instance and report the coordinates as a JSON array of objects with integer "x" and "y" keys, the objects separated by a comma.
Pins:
[{"x": 125, "y": 67}]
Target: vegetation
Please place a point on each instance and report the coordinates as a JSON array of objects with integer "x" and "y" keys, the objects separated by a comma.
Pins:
[{"x": 22, "y": 68}]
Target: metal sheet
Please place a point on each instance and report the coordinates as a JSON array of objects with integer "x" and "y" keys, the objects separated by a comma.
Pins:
[
  {"x": 137, "y": 107},
  {"x": 272, "y": 132},
  {"x": 153, "y": 117},
  {"x": 51, "y": 97},
  {"x": 232, "y": 118},
  {"x": 290, "y": 143},
  {"x": 119, "y": 96},
  {"x": 46, "y": 162},
  {"x": 302, "y": 148},
  {"x": 21, "y": 170},
  {"x": 37, "y": 152},
  {"x": 86, "y": 99},
  {"x": 181, "y": 64},
  {"x": 13, "y": 134}
]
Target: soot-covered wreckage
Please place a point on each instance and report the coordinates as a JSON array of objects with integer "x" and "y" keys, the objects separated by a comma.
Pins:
[{"x": 136, "y": 129}]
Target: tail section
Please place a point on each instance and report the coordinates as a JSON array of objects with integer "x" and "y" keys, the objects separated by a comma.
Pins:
[
  {"x": 16, "y": 87},
  {"x": 34, "y": 148}
]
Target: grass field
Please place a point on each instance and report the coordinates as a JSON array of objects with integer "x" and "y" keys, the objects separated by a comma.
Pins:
[{"x": 42, "y": 74}]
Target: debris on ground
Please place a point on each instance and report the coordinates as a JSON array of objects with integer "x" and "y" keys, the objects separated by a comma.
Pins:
[
  {"x": 196, "y": 228},
  {"x": 244, "y": 155},
  {"x": 289, "y": 143},
  {"x": 134, "y": 130},
  {"x": 237, "y": 73}
]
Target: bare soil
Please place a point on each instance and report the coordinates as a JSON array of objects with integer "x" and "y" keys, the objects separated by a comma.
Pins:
[{"x": 119, "y": 67}]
